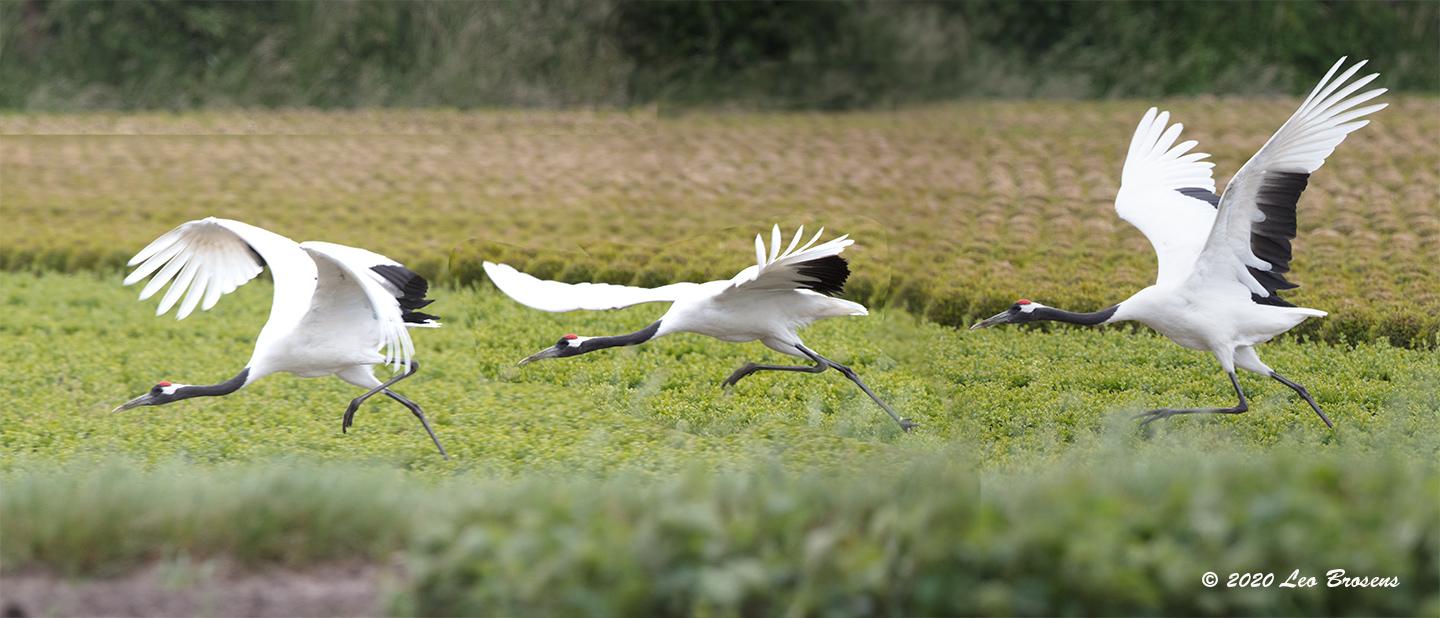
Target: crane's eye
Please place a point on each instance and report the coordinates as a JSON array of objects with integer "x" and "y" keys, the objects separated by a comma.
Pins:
[
  {"x": 155, "y": 391},
  {"x": 563, "y": 342}
]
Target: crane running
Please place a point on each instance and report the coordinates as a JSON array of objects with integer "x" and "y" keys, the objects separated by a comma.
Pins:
[
  {"x": 335, "y": 307},
  {"x": 768, "y": 302},
  {"x": 1222, "y": 259}
]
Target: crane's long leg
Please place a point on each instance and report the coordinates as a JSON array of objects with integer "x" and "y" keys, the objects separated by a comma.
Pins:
[
  {"x": 905, "y": 423},
  {"x": 415, "y": 409},
  {"x": 349, "y": 419},
  {"x": 1155, "y": 415},
  {"x": 750, "y": 368},
  {"x": 1305, "y": 394}
]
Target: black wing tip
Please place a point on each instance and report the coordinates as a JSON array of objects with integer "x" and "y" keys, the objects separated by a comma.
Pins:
[
  {"x": 1277, "y": 198},
  {"x": 1273, "y": 300},
  {"x": 1273, "y": 282},
  {"x": 1201, "y": 194},
  {"x": 413, "y": 289},
  {"x": 415, "y": 317},
  {"x": 827, "y": 274}
]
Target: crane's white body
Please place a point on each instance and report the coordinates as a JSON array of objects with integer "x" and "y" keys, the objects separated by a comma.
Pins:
[
  {"x": 767, "y": 302},
  {"x": 1202, "y": 319},
  {"x": 331, "y": 314},
  {"x": 773, "y": 318},
  {"x": 1206, "y": 289}
]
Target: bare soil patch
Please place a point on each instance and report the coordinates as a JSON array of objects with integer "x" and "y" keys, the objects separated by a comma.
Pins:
[{"x": 212, "y": 588}]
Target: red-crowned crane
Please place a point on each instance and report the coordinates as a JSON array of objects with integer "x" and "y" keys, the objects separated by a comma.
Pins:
[
  {"x": 334, "y": 308},
  {"x": 768, "y": 302},
  {"x": 1222, "y": 259}
]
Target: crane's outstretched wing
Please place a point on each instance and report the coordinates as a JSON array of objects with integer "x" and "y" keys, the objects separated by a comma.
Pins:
[
  {"x": 559, "y": 296},
  {"x": 211, "y": 257},
  {"x": 1249, "y": 244},
  {"x": 362, "y": 286},
  {"x": 1167, "y": 193},
  {"x": 818, "y": 268}
]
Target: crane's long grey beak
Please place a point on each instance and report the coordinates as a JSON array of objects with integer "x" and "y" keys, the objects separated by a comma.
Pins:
[
  {"x": 541, "y": 355},
  {"x": 133, "y": 403},
  {"x": 999, "y": 318}
]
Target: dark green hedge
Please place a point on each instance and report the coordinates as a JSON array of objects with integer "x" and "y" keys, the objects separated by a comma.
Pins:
[
  {"x": 1098, "y": 539},
  {"x": 1122, "y": 533},
  {"x": 75, "y": 54}
]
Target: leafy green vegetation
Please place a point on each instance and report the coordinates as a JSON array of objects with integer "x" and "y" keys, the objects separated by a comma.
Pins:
[
  {"x": 629, "y": 483},
  {"x": 1010, "y": 397},
  {"x": 957, "y": 210},
  {"x": 1106, "y": 536},
  {"x": 1115, "y": 531}
]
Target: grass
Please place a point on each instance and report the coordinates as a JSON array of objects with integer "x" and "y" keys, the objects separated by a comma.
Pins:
[
  {"x": 1105, "y": 533},
  {"x": 1008, "y": 396},
  {"x": 957, "y": 209}
]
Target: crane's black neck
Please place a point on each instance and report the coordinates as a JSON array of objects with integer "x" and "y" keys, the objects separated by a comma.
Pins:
[
  {"x": 1061, "y": 315},
  {"x": 213, "y": 390},
  {"x": 635, "y": 338}
]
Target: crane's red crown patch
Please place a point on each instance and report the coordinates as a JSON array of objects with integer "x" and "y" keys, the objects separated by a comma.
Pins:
[
  {"x": 571, "y": 336},
  {"x": 1023, "y": 301},
  {"x": 163, "y": 383}
]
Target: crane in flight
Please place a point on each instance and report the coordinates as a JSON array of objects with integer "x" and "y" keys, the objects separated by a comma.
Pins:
[
  {"x": 768, "y": 302},
  {"x": 1222, "y": 259},
  {"x": 334, "y": 308}
]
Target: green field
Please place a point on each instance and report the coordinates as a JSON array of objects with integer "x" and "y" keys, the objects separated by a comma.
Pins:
[
  {"x": 1004, "y": 396},
  {"x": 629, "y": 482}
]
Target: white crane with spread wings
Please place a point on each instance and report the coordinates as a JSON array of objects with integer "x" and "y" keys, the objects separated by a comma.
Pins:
[
  {"x": 335, "y": 307},
  {"x": 1222, "y": 259},
  {"x": 768, "y": 302}
]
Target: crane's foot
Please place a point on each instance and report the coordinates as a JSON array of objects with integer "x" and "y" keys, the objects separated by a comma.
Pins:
[
  {"x": 745, "y": 370},
  {"x": 349, "y": 418},
  {"x": 907, "y": 424},
  {"x": 1151, "y": 416},
  {"x": 749, "y": 368}
]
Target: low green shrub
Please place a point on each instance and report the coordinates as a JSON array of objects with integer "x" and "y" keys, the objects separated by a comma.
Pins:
[{"x": 1103, "y": 537}]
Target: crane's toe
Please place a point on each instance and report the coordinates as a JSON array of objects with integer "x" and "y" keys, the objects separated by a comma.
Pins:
[
  {"x": 1150, "y": 416},
  {"x": 349, "y": 418}
]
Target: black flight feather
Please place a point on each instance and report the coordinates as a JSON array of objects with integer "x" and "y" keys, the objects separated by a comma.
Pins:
[
  {"x": 827, "y": 275},
  {"x": 1201, "y": 194},
  {"x": 412, "y": 288},
  {"x": 1270, "y": 239}
]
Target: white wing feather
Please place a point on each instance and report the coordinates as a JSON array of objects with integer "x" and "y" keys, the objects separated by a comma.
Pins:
[
  {"x": 1156, "y": 169},
  {"x": 212, "y": 257},
  {"x": 381, "y": 295},
  {"x": 1301, "y": 145},
  {"x": 780, "y": 271},
  {"x": 774, "y": 270},
  {"x": 557, "y": 296}
]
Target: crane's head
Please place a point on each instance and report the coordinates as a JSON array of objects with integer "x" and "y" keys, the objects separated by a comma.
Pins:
[
  {"x": 569, "y": 345},
  {"x": 1022, "y": 311},
  {"x": 158, "y": 395}
]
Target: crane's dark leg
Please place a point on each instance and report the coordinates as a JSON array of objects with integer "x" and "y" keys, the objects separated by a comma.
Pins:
[
  {"x": 750, "y": 368},
  {"x": 905, "y": 423},
  {"x": 355, "y": 403},
  {"x": 1155, "y": 415},
  {"x": 1305, "y": 394},
  {"x": 415, "y": 409}
]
